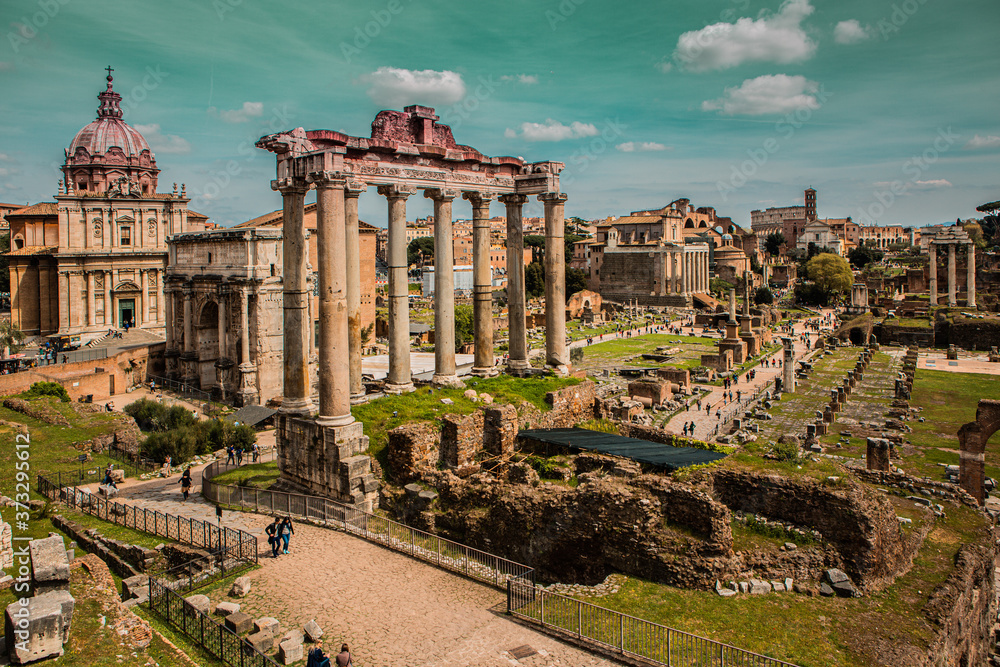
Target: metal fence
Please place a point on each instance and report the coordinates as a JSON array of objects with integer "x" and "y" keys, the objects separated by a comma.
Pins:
[
  {"x": 453, "y": 556},
  {"x": 178, "y": 528},
  {"x": 182, "y": 388},
  {"x": 625, "y": 634}
]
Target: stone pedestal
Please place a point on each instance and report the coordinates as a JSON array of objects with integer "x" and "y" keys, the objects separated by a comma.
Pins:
[
  {"x": 878, "y": 454},
  {"x": 248, "y": 393}
]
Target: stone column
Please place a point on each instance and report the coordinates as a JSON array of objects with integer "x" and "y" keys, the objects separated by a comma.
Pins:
[
  {"x": 109, "y": 306},
  {"x": 970, "y": 282},
  {"x": 788, "y": 366},
  {"x": 932, "y": 251},
  {"x": 244, "y": 298},
  {"x": 399, "y": 379},
  {"x": 91, "y": 301},
  {"x": 483, "y": 365},
  {"x": 556, "y": 355},
  {"x": 160, "y": 306},
  {"x": 352, "y": 237},
  {"x": 222, "y": 326},
  {"x": 334, "y": 354},
  {"x": 444, "y": 288},
  {"x": 188, "y": 324},
  {"x": 517, "y": 347},
  {"x": 673, "y": 272},
  {"x": 952, "y": 289},
  {"x": 683, "y": 272},
  {"x": 168, "y": 328},
  {"x": 296, "y": 297},
  {"x": 64, "y": 300},
  {"x": 144, "y": 296}
]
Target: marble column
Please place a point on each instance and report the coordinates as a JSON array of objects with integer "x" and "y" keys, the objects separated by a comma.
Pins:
[
  {"x": 932, "y": 251},
  {"x": 683, "y": 272},
  {"x": 91, "y": 301},
  {"x": 517, "y": 346},
  {"x": 64, "y": 300},
  {"x": 672, "y": 258},
  {"x": 482, "y": 284},
  {"x": 399, "y": 379},
  {"x": 221, "y": 323},
  {"x": 444, "y": 287},
  {"x": 160, "y": 307},
  {"x": 970, "y": 282},
  {"x": 188, "y": 324},
  {"x": 556, "y": 354},
  {"x": 952, "y": 289},
  {"x": 244, "y": 298},
  {"x": 144, "y": 296},
  {"x": 352, "y": 191},
  {"x": 296, "y": 297},
  {"x": 334, "y": 354},
  {"x": 168, "y": 328}
]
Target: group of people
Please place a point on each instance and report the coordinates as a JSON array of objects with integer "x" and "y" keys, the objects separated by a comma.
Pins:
[
  {"x": 234, "y": 455},
  {"x": 279, "y": 532},
  {"x": 317, "y": 658}
]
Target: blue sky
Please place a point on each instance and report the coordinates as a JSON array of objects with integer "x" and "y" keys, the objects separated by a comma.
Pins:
[{"x": 887, "y": 108}]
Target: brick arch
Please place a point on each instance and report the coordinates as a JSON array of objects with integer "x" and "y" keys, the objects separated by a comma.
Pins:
[{"x": 972, "y": 438}]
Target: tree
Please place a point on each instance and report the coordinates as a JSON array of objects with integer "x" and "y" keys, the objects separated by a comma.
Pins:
[
  {"x": 576, "y": 280},
  {"x": 863, "y": 255},
  {"x": 762, "y": 295},
  {"x": 464, "y": 325},
  {"x": 534, "y": 280},
  {"x": 424, "y": 246},
  {"x": 975, "y": 232},
  {"x": 11, "y": 338},
  {"x": 366, "y": 334},
  {"x": 991, "y": 221},
  {"x": 773, "y": 243},
  {"x": 831, "y": 273},
  {"x": 719, "y": 286},
  {"x": 537, "y": 245}
]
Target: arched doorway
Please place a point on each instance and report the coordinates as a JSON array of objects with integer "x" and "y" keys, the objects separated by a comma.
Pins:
[
  {"x": 127, "y": 302},
  {"x": 972, "y": 438},
  {"x": 207, "y": 338}
]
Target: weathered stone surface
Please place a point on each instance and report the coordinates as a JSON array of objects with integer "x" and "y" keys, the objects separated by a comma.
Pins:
[
  {"x": 200, "y": 603},
  {"x": 37, "y": 630},
  {"x": 241, "y": 586},
  {"x": 845, "y": 589},
  {"x": 778, "y": 586},
  {"x": 289, "y": 651},
  {"x": 312, "y": 631},
  {"x": 267, "y": 624},
  {"x": 49, "y": 563},
  {"x": 294, "y": 635},
  {"x": 131, "y": 585},
  {"x": 835, "y": 576},
  {"x": 226, "y": 608},
  {"x": 726, "y": 592},
  {"x": 825, "y": 590},
  {"x": 759, "y": 587},
  {"x": 262, "y": 641},
  {"x": 239, "y": 622}
]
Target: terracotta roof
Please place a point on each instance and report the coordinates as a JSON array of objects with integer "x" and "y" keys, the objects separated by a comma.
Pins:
[
  {"x": 632, "y": 220},
  {"x": 44, "y": 208},
  {"x": 196, "y": 214},
  {"x": 33, "y": 250}
]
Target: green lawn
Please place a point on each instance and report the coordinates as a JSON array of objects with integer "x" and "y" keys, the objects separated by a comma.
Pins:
[
  {"x": 629, "y": 351},
  {"x": 258, "y": 475}
]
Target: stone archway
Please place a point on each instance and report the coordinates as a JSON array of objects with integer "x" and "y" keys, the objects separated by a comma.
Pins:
[
  {"x": 972, "y": 438},
  {"x": 208, "y": 343}
]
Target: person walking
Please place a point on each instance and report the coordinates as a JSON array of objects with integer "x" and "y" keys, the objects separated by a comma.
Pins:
[
  {"x": 256, "y": 452},
  {"x": 231, "y": 458},
  {"x": 239, "y": 455},
  {"x": 344, "y": 657},
  {"x": 186, "y": 483},
  {"x": 285, "y": 531},
  {"x": 272, "y": 535}
]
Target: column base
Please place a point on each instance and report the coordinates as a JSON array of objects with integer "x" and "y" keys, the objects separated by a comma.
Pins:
[
  {"x": 447, "y": 381},
  {"x": 562, "y": 370},
  {"x": 518, "y": 364},
  {"x": 485, "y": 372},
  {"x": 298, "y": 406},
  {"x": 392, "y": 388},
  {"x": 336, "y": 422},
  {"x": 358, "y": 398}
]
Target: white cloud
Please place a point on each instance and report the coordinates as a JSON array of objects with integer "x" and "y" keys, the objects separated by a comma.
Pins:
[
  {"x": 850, "y": 32},
  {"x": 937, "y": 183},
  {"x": 527, "y": 79},
  {"x": 641, "y": 147},
  {"x": 664, "y": 66},
  {"x": 979, "y": 141},
  {"x": 777, "y": 38},
  {"x": 4, "y": 157},
  {"x": 163, "y": 143},
  {"x": 243, "y": 114},
  {"x": 771, "y": 93},
  {"x": 397, "y": 88},
  {"x": 552, "y": 130}
]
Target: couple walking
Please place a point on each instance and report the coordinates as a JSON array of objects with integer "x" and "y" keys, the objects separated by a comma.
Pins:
[{"x": 279, "y": 532}]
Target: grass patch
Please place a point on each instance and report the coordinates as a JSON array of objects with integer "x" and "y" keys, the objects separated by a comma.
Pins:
[{"x": 256, "y": 475}]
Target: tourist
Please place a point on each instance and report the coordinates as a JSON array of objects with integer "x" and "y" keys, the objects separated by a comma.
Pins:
[
  {"x": 186, "y": 483},
  {"x": 231, "y": 458},
  {"x": 255, "y": 451},
  {"x": 272, "y": 535},
  {"x": 108, "y": 480},
  {"x": 344, "y": 657},
  {"x": 316, "y": 656},
  {"x": 239, "y": 455},
  {"x": 285, "y": 531}
]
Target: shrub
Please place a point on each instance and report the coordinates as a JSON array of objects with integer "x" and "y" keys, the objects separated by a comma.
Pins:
[
  {"x": 545, "y": 467},
  {"x": 786, "y": 451},
  {"x": 40, "y": 389},
  {"x": 154, "y": 416},
  {"x": 576, "y": 355}
]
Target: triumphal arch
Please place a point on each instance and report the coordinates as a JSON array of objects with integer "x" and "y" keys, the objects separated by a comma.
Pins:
[{"x": 407, "y": 151}]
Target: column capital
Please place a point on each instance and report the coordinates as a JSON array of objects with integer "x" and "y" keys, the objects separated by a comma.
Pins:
[
  {"x": 478, "y": 198},
  {"x": 553, "y": 197},
  {"x": 327, "y": 179},
  {"x": 439, "y": 194},
  {"x": 513, "y": 199},
  {"x": 290, "y": 185},
  {"x": 354, "y": 189},
  {"x": 397, "y": 191}
]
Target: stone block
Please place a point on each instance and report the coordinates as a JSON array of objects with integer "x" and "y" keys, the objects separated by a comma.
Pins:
[
  {"x": 744, "y": 587},
  {"x": 267, "y": 624},
  {"x": 825, "y": 590},
  {"x": 295, "y": 635},
  {"x": 759, "y": 587},
  {"x": 226, "y": 608},
  {"x": 199, "y": 603},
  {"x": 788, "y": 583},
  {"x": 289, "y": 651},
  {"x": 834, "y": 576},
  {"x": 131, "y": 585},
  {"x": 49, "y": 564},
  {"x": 37, "y": 629},
  {"x": 262, "y": 641},
  {"x": 312, "y": 631},
  {"x": 239, "y": 622},
  {"x": 726, "y": 592},
  {"x": 241, "y": 586},
  {"x": 778, "y": 586}
]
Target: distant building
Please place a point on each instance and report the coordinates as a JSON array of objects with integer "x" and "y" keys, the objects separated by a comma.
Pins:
[
  {"x": 885, "y": 236},
  {"x": 788, "y": 220},
  {"x": 463, "y": 279},
  {"x": 821, "y": 234}
]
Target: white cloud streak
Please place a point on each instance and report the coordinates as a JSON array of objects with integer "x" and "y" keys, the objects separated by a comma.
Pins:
[
  {"x": 396, "y": 88},
  {"x": 552, "y": 130},
  {"x": 163, "y": 143},
  {"x": 641, "y": 147},
  {"x": 768, "y": 94},
  {"x": 850, "y": 32},
  {"x": 979, "y": 141}
]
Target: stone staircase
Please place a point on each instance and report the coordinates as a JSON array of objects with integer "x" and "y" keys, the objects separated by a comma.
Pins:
[{"x": 131, "y": 338}]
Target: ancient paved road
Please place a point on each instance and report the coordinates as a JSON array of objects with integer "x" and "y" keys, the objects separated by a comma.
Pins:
[{"x": 391, "y": 609}]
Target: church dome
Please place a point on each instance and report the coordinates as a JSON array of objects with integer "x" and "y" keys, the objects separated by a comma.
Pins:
[{"x": 99, "y": 136}]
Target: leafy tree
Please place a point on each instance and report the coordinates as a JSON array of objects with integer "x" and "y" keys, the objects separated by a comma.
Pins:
[
  {"x": 990, "y": 223},
  {"x": 11, "y": 338},
  {"x": 831, "y": 273},
  {"x": 863, "y": 255},
  {"x": 537, "y": 245},
  {"x": 763, "y": 295},
  {"x": 719, "y": 286},
  {"x": 576, "y": 280},
  {"x": 464, "y": 325},
  {"x": 424, "y": 245},
  {"x": 40, "y": 389},
  {"x": 810, "y": 294},
  {"x": 975, "y": 232},
  {"x": 534, "y": 279},
  {"x": 755, "y": 266},
  {"x": 773, "y": 243},
  {"x": 366, "y": 334}
]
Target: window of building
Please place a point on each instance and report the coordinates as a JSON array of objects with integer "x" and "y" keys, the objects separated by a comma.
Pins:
[
  {"x": 126, "y": 235},
  {"x": 209, "y": 258}
]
